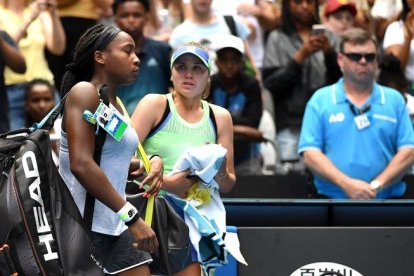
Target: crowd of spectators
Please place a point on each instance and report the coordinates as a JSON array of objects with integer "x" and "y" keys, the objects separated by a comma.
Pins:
[
  {"x": 279, "y": 61},
  {"x": 319, "y": 88}
]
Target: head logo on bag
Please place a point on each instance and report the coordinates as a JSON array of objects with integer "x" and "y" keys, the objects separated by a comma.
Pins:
[{"x": 42, "y": 224}]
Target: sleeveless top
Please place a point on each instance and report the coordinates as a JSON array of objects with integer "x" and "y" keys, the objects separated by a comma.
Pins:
[
  {"x": 173, "y": 135},
  {"x": 115, "y": 161},
  {"x": 31, "y": 46}
]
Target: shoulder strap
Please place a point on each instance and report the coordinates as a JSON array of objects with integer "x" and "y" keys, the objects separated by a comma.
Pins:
[
  {"x": 99, "y": 142},
  {"x": 231, "y": 24},
  {"x": 101, "y": 136},
  {"x": 213, "y": 120},
  {"x": 164, "y": 117},
  {"x": 48, "y": 121},
  {"x": 151, "y": 200}
]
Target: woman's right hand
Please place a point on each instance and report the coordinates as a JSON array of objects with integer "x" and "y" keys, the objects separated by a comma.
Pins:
[
  {"x": 155, "y": 176},
  {"x": 179, "y": 183},
  {"x": 310, "y": 45},
  {"x": 145, "y": 238}
]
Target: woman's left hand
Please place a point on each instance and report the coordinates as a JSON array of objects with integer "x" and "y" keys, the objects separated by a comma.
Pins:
[{"x": 154, "y": 177}]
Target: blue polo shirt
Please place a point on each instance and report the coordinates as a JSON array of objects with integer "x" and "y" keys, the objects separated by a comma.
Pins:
[{"x": 329, "y": 126}]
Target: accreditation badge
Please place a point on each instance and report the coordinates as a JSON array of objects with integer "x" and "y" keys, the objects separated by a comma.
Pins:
[
  {"x": 110, "y": 121},
  {"x": 362, "y": 121}
]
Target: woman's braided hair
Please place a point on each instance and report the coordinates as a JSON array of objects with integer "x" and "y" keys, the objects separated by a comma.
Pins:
[{"x": 82, "y": 67}]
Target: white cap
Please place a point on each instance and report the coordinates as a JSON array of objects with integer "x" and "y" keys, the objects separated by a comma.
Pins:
[{"x": 227, "y": 41}]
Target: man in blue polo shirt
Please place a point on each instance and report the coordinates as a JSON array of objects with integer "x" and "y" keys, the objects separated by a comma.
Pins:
[{"x": 356, "y": 135}]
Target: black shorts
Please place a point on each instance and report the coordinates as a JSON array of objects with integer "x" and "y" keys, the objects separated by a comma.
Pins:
[{"x": 117, "y": 252}]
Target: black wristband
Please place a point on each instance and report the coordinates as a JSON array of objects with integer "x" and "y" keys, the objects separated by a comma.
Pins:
[
  {"x": 134, "y": 219},
  {"x": 152, "y": 156}
]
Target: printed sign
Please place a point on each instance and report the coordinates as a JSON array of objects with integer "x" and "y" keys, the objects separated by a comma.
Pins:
[{"x": 325, "y": 269}]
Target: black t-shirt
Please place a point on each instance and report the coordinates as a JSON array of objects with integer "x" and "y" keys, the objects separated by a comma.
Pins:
[{"x": 4, "y": 106}]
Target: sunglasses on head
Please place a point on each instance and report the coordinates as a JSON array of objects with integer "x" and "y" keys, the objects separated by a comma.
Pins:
[{"x": 369, "y": 57}]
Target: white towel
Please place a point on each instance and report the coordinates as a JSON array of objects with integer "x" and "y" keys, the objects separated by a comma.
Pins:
[
  {"x": 207, "y": 218},
  {"x": 203, "y": 161}
]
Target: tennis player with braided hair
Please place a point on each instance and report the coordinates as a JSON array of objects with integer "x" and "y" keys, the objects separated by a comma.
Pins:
[{"x": 105, "y": 55}]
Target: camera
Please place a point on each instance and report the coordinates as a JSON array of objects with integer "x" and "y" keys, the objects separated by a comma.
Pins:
[{"x": 318, "y": 29}]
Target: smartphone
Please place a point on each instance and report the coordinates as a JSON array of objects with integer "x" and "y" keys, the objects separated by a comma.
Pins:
[{"x": 318, "y": 29}]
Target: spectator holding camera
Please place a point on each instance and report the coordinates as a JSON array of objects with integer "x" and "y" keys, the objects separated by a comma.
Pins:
[
  {"x": 297, "y": 62},
  {"x": 356, "y": 136},
  {"x": 34, "y": 27}
]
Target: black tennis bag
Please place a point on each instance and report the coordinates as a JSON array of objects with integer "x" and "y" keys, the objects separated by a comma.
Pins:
[{"x": 40, "y": 225}]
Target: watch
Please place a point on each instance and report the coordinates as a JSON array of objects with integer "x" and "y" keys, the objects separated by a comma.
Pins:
[{"x": 376, "y": 184}]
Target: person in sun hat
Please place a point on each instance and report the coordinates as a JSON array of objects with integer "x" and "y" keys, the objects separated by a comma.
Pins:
[
  {"x": 172, "y": 125},
  {"x": 340, "y": 15}
]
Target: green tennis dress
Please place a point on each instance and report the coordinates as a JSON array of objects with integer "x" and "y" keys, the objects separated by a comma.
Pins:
[{"x": 173, "y": 135}]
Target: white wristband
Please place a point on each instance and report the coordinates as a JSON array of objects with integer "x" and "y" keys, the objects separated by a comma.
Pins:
[{"x": 127, "y": 212}]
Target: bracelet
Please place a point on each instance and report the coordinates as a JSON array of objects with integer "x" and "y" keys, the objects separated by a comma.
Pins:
[
  {"x": 221, "y": 176},
  {"x": 155, "y": 155},
  {"x": 128, "y": 214}
]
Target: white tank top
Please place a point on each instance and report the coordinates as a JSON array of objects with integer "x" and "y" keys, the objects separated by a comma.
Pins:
[{"x": 115, "y": 160}]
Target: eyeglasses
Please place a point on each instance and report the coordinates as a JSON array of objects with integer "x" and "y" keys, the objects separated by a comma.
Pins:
[{"x": 369, "y": 57}]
